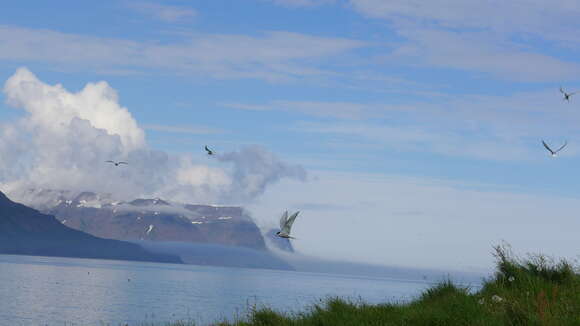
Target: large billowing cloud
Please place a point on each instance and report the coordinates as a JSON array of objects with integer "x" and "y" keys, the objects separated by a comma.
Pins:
[
  {"x": 64, "y": 139},
  {"x": 52, "y": 107}
]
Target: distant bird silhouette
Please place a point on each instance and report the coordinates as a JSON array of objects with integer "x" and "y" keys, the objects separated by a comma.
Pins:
[
  {"x": 566, "y": 95},
  {"x": 286, "y": 225},
  {"x": 116, "y": 163},
  {"x": 554, "y": 153},
  {"x": 209, "y": 151}
]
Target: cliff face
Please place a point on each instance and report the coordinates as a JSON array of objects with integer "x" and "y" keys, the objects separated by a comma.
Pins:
[
  {"x": 25, "y": 231},
  {"x": 151, "y": 219}
]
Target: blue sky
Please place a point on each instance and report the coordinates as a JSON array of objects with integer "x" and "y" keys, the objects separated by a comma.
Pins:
[{"x": 456, "y": 94}]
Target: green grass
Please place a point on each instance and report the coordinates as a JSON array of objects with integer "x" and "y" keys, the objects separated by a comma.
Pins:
[{"x": 532, "y": 291}]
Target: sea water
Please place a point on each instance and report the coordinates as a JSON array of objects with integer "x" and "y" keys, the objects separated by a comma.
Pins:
[{"x": 66, "y": 291}]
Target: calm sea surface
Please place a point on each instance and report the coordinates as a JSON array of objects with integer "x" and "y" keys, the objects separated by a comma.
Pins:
[{"x": 62, "y": 291}]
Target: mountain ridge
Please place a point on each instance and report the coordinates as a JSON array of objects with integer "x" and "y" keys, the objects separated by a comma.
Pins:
[
  {"x": 26, "y": 231},
  {"x": 151, "y": 219}
]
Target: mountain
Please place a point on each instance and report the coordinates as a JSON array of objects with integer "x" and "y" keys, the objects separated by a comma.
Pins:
[
  {"x": 25, "y": 231},
  {"x": 148, "y": 219}
]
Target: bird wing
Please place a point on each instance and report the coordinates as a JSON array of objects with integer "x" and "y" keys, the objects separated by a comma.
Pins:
[
  {"x": 562, "y": 91},
  {"x": 283, "y": 219},
  {"x": 562, "y": 147},
  {"x": 547, "y": 147},
  {"x": 109, "y": 161},
  {"x": 207, "y": 149},
  {"x": 122, "y": 163},
  {"x": 289, "y": 223}
]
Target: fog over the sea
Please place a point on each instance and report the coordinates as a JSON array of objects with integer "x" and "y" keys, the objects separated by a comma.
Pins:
[{"x": 64, "y": 139}]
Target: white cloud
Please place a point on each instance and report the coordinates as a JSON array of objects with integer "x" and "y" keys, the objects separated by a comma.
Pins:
[
  {"x": 192, "y": 130},
  {"x": 64, "y": 139},
  {"x": 166, "y": 13},
  {"x": 494, "y": 37},
  {"x": 481, "y": 52},
  {"x": 254, "y": 168},
  {"x": 201, "y": 182},
  {"x": 273, "y": 56},
  {"x": 416, "y": 138},
  {"x": 51, "y": 106},
  {"x": 499, "y": 128},
  {"x": 340, "y": 110},
  {"x": 549, "y": 20}
]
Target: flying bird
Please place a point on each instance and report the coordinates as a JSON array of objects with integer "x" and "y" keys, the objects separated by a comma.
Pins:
[
  {"x": 552, "y": 152},
  {"x": 209, "y": 151},
  {"x": 566, "y": 95},
  {"x": 286, "y": 224},
  {"x": 116, "y": 163}
]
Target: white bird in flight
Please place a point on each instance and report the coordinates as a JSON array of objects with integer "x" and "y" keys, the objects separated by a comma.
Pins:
[
  {"x": 116, "y": 163},
  {"x": 286, "y": 224},
  {"x": 554, "y": 153}
]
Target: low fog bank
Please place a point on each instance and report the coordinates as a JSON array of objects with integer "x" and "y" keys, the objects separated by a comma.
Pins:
[
  {"x": 217, "y": 255},
  {"x": 230, "y": 256},
  {"x": 303, "y": 263}
]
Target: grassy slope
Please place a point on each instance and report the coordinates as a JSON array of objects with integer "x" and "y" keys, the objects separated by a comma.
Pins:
[{"x": 536, "y": 291}]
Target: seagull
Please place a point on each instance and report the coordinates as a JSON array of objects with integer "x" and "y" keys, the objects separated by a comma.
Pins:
[
  {"x": 209, "y": 151},
  {"x": 286, "y": 224},
  {"x": 116, "y": 163},
  {"x": 552, "y": 152},
  {"x": 566, "y": 95}
]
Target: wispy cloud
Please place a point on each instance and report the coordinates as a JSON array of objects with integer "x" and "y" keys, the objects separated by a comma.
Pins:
[
  {"x": 301, "y": 3},
  {"x": 192, "y": 130},
  {"x": 417, "y": 138},
  {"x": 483, "y": 53},
  {"x": 166, "y": 13},
  {"x": 555, "y": 21},
  {"x": 271, "y": 56},
  {"x": 484, "y": 37},
  {"x": 499, "y": 128},
  {"x": 338, "y": 110}
]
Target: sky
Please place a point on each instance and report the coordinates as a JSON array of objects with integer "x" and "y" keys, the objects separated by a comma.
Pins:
[{"x": 406, "y": 132}]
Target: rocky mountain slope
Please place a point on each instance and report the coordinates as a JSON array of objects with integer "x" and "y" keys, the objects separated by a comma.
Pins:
[
  {"x": 25, "y": 231},
  {"x": 148, "y": 219}
]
